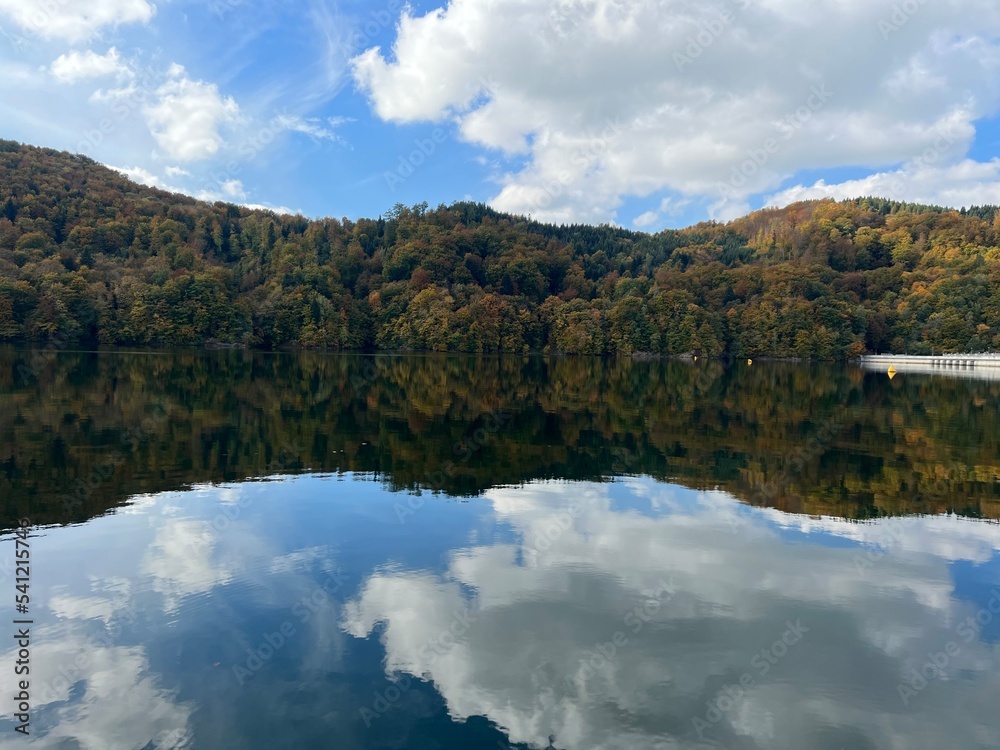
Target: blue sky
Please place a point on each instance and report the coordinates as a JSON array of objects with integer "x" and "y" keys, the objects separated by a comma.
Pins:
[{"x": 644, "y": 113}]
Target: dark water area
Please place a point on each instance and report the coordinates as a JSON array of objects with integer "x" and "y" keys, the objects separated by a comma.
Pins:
[
  {"x": 80, "y": 433},
  {"x": 252, "y": 550}
]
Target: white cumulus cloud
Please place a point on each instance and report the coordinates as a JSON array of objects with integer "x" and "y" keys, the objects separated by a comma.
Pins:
[
  {"x": 186, "y": 116},
  {"x": 229, "y": 191},
  {"x": 75, "y": 65},
  {"x": 181, "y": 561},
  {"x": 73, "y": 20},
  {"x": 144, "y": 177},
  {"x": 968, "y": 183},
  {"x": 715, "y": 99}
]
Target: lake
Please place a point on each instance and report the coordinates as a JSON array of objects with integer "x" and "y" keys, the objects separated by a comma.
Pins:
[{"x": 300, "y": 550}]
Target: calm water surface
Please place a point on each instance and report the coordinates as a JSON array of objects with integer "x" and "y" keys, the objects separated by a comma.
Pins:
[{"x": 236, "y": 550}]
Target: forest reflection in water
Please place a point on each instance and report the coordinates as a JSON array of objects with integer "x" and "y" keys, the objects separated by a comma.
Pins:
[
  {"x": 255, "y": 550},
  {"x": 81, "y": 432}
]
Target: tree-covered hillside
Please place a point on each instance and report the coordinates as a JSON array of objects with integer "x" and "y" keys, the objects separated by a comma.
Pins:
[{"x": 86, "y": 256}]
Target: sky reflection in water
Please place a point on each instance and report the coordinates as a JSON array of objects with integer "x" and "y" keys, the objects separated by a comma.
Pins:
[{"x": 318, "y": 611}]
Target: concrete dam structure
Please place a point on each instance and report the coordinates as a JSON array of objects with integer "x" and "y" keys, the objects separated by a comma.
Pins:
[{"x": 973, "y": 366}]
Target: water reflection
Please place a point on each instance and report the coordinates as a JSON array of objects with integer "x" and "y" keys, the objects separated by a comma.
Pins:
[
  {"x": 633, "y": 614},
  {"x": 87, "y": 431},
  {"x": 697, "y": 622}
]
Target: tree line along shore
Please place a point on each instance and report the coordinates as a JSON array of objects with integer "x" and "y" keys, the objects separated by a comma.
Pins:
[{"x": 88, "y": 257}]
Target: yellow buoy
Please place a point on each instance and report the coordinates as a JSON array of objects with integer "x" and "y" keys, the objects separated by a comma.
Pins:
[
  {"x": 749, "y": 361},
  {"x": 892, "y": 372}
]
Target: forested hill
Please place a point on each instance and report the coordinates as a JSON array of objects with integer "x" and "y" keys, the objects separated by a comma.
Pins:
[{"x": 86, "y": 256}]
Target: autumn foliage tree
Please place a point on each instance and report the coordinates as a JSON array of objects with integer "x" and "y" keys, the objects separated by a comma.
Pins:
[{"x": 88, "y": 256}]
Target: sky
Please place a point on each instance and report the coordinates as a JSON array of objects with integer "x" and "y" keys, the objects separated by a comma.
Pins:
[{"x": 648, "y": 114}]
